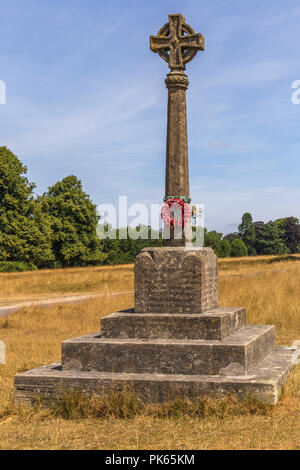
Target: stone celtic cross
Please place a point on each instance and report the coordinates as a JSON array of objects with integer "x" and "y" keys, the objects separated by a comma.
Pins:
[{"x": 177, "y": 43}]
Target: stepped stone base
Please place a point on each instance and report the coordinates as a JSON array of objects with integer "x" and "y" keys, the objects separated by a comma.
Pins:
[
  {"x": 215, "y": 324},
  {"x": 176, "y": 340},
  {"x": 264, "y": 382},
  {"x": 235, "y": 354}
]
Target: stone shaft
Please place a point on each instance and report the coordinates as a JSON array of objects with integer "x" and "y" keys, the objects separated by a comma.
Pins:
[{"x": 177, "y": 166}]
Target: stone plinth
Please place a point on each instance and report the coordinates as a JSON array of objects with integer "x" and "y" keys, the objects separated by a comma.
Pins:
[
  {"x": 264, "y": 383},
  {"x": 151, "y": 359},
  {"x": 176, "y": 280},
  {"x": 184, "y": 344},
  {"x": 215, "y": 324},
  {"x": 176, "y": 341},
  {"x": 236, "y": 354}
]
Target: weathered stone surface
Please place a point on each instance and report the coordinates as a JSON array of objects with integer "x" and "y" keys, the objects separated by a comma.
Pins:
[
  {"x": 177, "y": 169},
  {"x": 176, "y": 280},
  {"x": 264, "y": 382},
  {"x": 177, "y": 43},
  {"x": 216, "y": 324},
  {"x": 237, "y": 353}
]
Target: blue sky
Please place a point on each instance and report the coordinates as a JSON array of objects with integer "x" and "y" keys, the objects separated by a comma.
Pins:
[{"x": 86, "y": 96}]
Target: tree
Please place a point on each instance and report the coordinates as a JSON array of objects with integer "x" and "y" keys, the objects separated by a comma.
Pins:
[
  {"x": 74, "y": 222},
  {"x": 225, "y": 248},
  {"x": 238, "y": 248},
  {"x": 25, "y": 231},
  {"x": 269, "y": 240},
  {"x": 247, "y": 232},
  {"x": 124, "y": 249},
  {"x": 257, "y": 226},
  {"x": 292, "y": 234},
  {"x": 213, "y": 240},
  {"x": 231, "y": 236}
]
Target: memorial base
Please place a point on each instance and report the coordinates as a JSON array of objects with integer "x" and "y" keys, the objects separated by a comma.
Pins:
[{"x": 162, "y": 355}]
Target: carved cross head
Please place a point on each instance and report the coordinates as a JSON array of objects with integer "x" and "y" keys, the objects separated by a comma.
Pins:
[{"x": 177, "y": 43}]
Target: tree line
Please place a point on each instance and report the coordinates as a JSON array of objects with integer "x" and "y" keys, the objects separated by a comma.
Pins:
[
  {"x": 59, "y": 228},
  {"x": 278, "y": 237}
]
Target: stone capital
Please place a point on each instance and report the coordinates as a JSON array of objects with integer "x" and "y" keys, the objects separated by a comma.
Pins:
[{"x": 177, "y": 80}]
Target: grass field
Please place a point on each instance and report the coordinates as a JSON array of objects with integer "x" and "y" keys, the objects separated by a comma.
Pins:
[
  {"x": 17, "y": 286},
  {"x": 33, "y": 284},
  {"x": 268, "y": 287}
]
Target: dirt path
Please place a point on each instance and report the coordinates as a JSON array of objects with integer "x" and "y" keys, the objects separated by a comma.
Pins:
[{"x": 10, "y": 308}]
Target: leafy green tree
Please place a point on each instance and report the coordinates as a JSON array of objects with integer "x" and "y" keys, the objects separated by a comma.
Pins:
[
  {"x": 25, "y": 231},
  {"x": 213, "y": 240},
  {"x": 123, "y": 249},
  {"x": 289, "y": 229},
  {"x": 231, "y": 236},
  {"x": 137, "y": 239},
  {"x": 238, "y": 248},
  {"x": 74, "y": 222},
  {"x": 110, "y": 244},
  {"x": 280, "y": 225},
  {"x": 257, "y": 226},
  {"x": 269, "y": 240},
  {"x": 292, "y": 234},
  {"x": 225, "y": 248},
  {"x": 247, "y": 233}
]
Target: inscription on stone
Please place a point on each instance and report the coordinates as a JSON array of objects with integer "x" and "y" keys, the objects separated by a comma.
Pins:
[{"x": 176, "y": 280}]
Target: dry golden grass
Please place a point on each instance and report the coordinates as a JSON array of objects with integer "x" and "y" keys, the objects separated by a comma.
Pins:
[
  {"x": 257, "y": 264},
  {"x": 33, "y": 338},
  {"x": 48, "y": 283},
  {"x": 271, "y": 298},
  {"x": 17, "y": 286}
]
